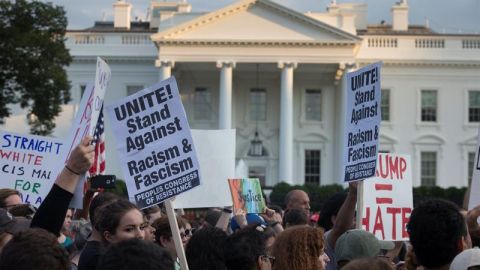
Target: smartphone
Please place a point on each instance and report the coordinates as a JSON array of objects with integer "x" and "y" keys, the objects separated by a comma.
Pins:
[{"x": 103, "y": 181}]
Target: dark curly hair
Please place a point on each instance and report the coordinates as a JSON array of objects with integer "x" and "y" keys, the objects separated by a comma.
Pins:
[
  {"x": 34, "y": 249},
  {"x": 435, "y": 227},
  {"x": 243, "y": 249},
  {"x": 331, "y": 208},
  {"x": 205, "y": 249}
]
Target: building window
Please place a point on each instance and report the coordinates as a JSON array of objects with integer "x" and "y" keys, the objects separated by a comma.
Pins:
[
  {"x": 82, "y": 90},
  {"x": 429, "y": 106},
  {"x": 428, "y": 168},
  {"x": 202, "y": 104},
  {"x": 471, "y": 162},
  {"x": 313, "y": 105},
  {"x": 258, "y": 104},
  {"x": 132, "y": 89},
  {"x": 312, "y": 167},
  {"x": 385, "y": 105},
  {"x": 473, "y": 106},
  {"x": 257, "y": 172}
]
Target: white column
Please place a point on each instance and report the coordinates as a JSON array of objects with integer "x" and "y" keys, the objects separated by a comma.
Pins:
[
  {"x": 165, "y": 69},
  {"x": 286, "y": 123},
  {"x": 225, "y": 100}
]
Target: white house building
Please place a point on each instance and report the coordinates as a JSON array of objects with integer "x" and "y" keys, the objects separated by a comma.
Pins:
[{"x": 275, "y": 75}]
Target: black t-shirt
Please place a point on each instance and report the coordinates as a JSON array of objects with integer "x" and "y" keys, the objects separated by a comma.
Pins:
[{"x": 91, "y": 253}]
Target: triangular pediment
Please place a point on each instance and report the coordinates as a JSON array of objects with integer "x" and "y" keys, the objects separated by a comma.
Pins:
[{"x": 255, "y": 21}]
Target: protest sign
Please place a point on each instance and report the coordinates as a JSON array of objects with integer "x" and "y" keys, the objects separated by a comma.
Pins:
[
  {"x": 216, "y": 156},
  {"x": 154, "y": 144},
  {"x": 86, "y": 119},
  {"x": 362, "y": 123},
  {"x": 388, "y": 198},
  {"x": 474, "y": 198},
  {"x": 28, "y": 164},
  {"x": 247, "y": 195}
]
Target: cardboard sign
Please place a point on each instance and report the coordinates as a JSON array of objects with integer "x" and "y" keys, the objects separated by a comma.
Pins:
[
  {"x": 154, "y": 144},
  {"x": 247, "y": 195},
  {"x": 216, "y": 155},
  {"x": 388, "y": 198},
  {"x": 29, "y": 164},
  {"x": 86, "y": 119},
  {"x": 362, "y": 123},
  {"x": 474, "y": 199}
]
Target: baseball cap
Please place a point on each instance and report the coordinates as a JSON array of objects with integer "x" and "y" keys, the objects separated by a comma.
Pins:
[
  {"x": 466, "y": 259},
  {"x": 356, "y": 244},
  {"x": 12, "y": 225}
]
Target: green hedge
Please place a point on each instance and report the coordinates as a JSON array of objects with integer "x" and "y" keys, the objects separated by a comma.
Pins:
[{"x": 319, "y": 194}]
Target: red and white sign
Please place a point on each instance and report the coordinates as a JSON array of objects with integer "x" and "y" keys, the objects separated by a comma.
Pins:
[{"x": 388, "y": 198}]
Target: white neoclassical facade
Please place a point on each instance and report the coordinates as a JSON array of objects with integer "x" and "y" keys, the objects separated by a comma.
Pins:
[{"x": 275, "y": 75}]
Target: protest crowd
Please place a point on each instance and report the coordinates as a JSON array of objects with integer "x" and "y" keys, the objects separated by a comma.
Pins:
[{"x": 113, "y": 233}]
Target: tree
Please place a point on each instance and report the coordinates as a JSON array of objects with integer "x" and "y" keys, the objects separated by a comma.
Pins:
[{"x": 32, "y": 60}]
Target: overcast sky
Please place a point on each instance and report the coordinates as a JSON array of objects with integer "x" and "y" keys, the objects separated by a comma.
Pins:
[{"x": 451, "y": 16}]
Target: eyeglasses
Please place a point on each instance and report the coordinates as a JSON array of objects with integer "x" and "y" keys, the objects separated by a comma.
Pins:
[{"x": 269, "y": 258}]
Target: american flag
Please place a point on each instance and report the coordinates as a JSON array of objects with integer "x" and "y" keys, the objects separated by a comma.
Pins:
[{"x": 98, "y": 166}]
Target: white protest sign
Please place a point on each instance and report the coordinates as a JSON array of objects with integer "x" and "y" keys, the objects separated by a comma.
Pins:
[
  {"x": 474, "y": 198},
  {"x": 216, "y": 155},
  {"x": 388, "y": 198},
  {"x": 362, "y": 123},
  {"x": 29, "y": 164},
  {"x": 86, "y": 119},
  {"x": 154, "y": 144}
]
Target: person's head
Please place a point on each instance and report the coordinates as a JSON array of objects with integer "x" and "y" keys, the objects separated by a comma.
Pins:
[
  {"x": 10, "y": 225},
  {"x": 468, "y": 259},
  {"x": 205, "y": 249},
  {"x": 135, "y": 254},
  {"x": 152, "y": 213},
  {"x": 120, "y": 220},
  {"x": 82, "y": 230},
  {"x": 68, "y": 220},
  {"x": 10, "y": 198},
  {"x": 34, "y": 249},
  {"x": 246, "y": 250},
  {"x": 358, "y": 244},
  {"x": 98, "y": 201},
  {"x": 294, "y": 217},
  {"x": 298, "y": 248},
  {"x": 298, "y": 199},
  {"x": 437, "y": 232},
  {"x": 330, "y": 210},
  {"x": 163, "y": 234},
  {"x": 369, "y": 263}
]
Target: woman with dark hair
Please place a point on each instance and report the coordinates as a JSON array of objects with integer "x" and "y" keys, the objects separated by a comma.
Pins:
[
  {"x": 300, "y": 248},
  {"x": 120, "y": 220},
  {"x": 205, "y": 249}
]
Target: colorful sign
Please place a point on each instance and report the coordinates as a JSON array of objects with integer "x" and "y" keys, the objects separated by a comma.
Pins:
[
  {"x": 154, "y": 144},
  {"x": 362, "y": 123},
  {"x": 247, "y": 195},
  {"x": 29, "y": 164},
  {"x": 388, "y": 198}
]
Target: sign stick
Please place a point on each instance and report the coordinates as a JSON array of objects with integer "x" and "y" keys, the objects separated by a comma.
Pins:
[
  {"x": 358, "y": 219},
  {"x": 176, "y": 234}
]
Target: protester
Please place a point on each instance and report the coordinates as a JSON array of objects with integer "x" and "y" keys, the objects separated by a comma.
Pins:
[
  {"x": 330, "y": 210},
  {"x": 437, "y": 233},
  {"x": 358, "y": 244},
  {"x": 473, "y": 226},
  {"x": 298, "y": 248},
  {"x": 94, "y": 249},
  {"x": 34, "y": 249},
  {"x": 468, "y": 259},
  {"x": 9, "y": 226},
  {"x": 297, "y": 199},
  {"x": 135, "y": 254},
  {"x": 82, "y": 230},
  {"x": 163, "y": 236},
  {"x": 152, "y": 213},
  {"x": 205, "y": 249},
  {"x": 294, "y": 217},
  {"x": 246, "y": 250},
  {"x": 10, "y": 198},
  {"x": 64, "y": 238},
  {"x": 342, "y": 222}
]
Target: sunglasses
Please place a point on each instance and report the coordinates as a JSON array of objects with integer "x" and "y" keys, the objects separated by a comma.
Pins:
[
  {"x": 188, "y": 232},
  {"x": 269, "y": 258}
]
